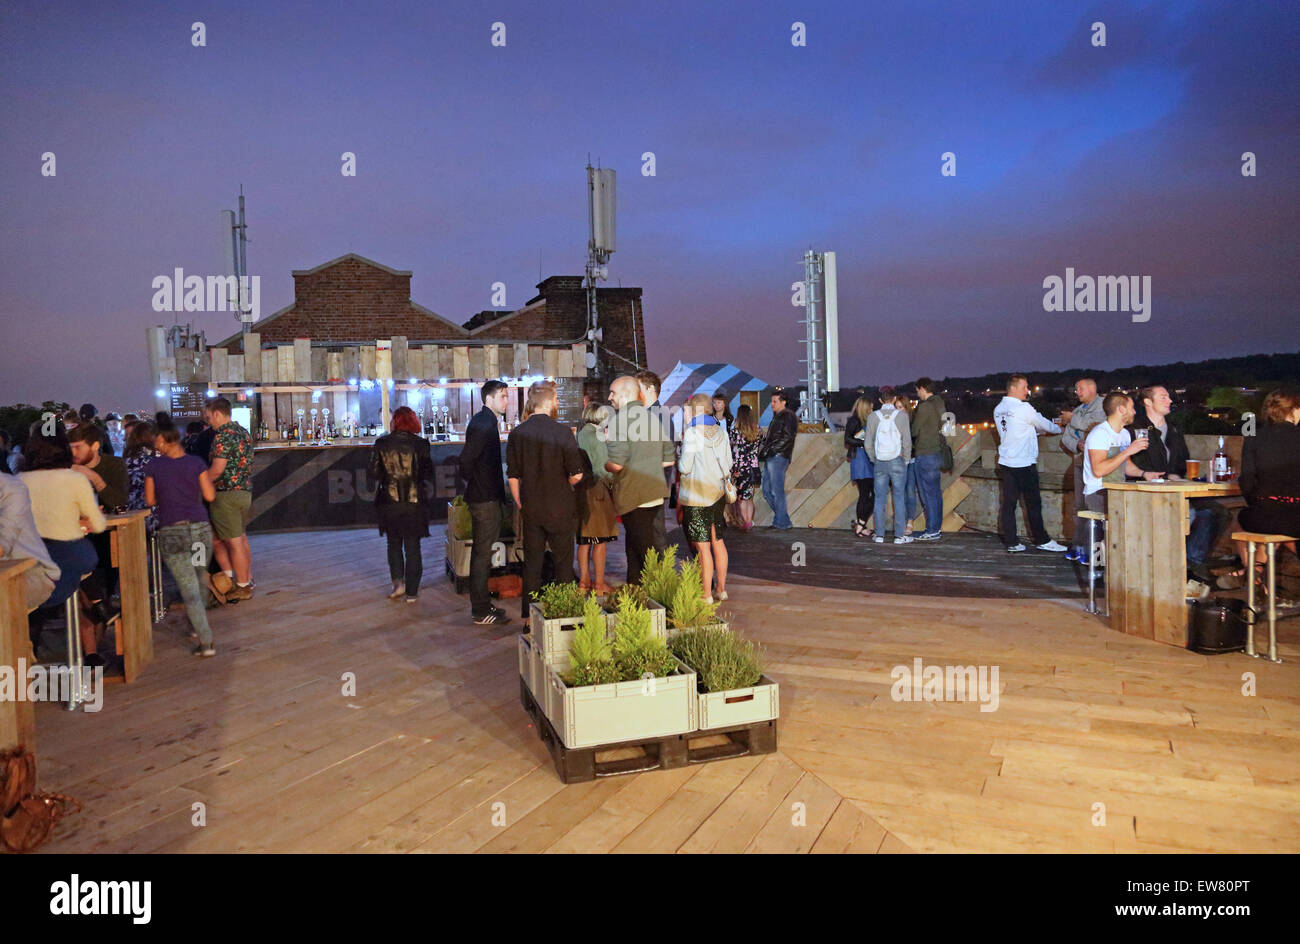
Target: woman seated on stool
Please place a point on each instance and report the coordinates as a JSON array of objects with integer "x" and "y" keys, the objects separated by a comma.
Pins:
[
  {"x": 1270, "y": 475},
  {"x": 65, "y": 510}
]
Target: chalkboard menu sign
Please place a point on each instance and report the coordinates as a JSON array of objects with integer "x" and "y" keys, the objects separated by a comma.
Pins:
[
  {"x": 188, "y": 400},
  {"x": 568, "y": 392}
]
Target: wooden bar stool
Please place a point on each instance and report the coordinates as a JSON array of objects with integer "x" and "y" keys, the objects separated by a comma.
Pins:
[
  {"x": 1092, "y": 517},
  {"x": 1270, "y": 541}
]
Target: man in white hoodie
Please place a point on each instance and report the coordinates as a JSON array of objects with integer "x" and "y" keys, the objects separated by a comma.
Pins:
[{"x": 1019, "y": 426}]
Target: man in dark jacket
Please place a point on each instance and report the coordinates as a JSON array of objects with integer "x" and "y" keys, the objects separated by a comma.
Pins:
[
  {"x": 774, "y": 455},
  {"x": 1168, "y": 455},
  {"x": 927, "y": 449},
  {"x": 543, "y": 463},
  {"x": 485, "y": 490}
]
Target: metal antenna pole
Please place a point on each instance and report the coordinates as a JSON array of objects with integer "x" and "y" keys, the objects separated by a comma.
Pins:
[
  {"x": 246, "y": 326},
  {"x": 812, "y": 343}
]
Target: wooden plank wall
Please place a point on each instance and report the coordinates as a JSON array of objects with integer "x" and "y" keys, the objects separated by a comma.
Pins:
[{"x": 819, "y": 493}]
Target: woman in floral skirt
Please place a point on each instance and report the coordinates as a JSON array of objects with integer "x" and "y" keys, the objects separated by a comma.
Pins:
[{"x": 744, "y": 463}]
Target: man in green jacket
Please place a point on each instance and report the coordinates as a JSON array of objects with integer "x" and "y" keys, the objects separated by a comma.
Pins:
[
  {"x": 640, "y": 448},
  {"x": 927, "y": 449}
]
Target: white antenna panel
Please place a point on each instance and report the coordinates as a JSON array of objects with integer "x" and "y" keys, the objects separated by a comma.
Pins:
[
  {"x": 603, "y": 207},
  {"x": 228, "y": 242}
]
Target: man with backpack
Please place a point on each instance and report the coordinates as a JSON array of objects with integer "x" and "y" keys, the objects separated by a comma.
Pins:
[{"x": 889, "y": 445}]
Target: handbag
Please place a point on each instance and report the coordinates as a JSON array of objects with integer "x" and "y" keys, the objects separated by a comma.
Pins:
[
  {"x": 17, "y": 778},
  {"x": 945, "y": 455},
  {"x": 728, "y": 486}
]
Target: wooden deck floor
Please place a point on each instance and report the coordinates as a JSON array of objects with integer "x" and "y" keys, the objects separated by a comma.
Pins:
[{"x": 434, "y": 753}]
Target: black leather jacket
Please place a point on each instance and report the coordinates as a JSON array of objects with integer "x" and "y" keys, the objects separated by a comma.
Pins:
[
  {"x": 779, "y": 440},
  {"x": 402, "y": 469}
]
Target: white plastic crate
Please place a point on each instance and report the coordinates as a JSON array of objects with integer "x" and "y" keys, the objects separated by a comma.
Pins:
[
  {"x": 740, "y": 705},
  {"x": 555, "y": 635},
  {"x": 527, "y": 664},
  {"x": 458, "y": 553},
  {"x": 622, "y": 711}
]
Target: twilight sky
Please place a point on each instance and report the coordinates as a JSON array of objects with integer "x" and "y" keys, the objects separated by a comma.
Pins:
[{"x": 1122, "y": 160}]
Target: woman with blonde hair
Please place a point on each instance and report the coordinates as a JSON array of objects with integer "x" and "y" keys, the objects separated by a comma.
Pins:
[
  {"x": 705, "y": 468},
  {"x": 745, "y": 440},
  {"x": 595, "y": 491},
  {"x": 861, "y": 471}
]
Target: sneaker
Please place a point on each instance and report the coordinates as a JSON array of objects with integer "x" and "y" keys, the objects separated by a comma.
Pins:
[
  {"x": 1072, "y": 555},
  {"x": 929, "y": 537},
  {"x": 494, "y": 618},
  {"x": 411, "y": 599},
  {"x": 239, "y": 593},
  {"x": 1052, "y": 546},
  {"x": 1016, "y": 549},
  {"x": 904, "y": 539},
  {"x": 205, "y": 652},
  {"x": 878, "y": 539}
]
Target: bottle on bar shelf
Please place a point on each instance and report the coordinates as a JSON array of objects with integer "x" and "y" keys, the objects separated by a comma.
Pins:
[{"x": 1222, "y": 472}]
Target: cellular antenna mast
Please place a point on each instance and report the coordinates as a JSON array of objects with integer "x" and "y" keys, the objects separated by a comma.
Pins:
[
  {"x": 234, "y": 247},
  {"x": 600, "y": 245},
  {"x": 822, "y": 336}
]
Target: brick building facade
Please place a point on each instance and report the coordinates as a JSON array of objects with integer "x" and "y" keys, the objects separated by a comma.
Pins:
[{"x": 352, "y": 300}]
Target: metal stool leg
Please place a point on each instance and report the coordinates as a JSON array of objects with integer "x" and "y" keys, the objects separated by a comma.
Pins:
[
  {"x": 75, "y": 658},
  {"x": 1272, "y": 604},
  {"x": 1250, "y": 600},
  {"x": 1092, "y": 566},
  {"x": 159, "y": 611}
]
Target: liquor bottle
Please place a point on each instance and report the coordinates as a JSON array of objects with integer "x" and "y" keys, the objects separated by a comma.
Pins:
[{"x": 1221, "y": 470}]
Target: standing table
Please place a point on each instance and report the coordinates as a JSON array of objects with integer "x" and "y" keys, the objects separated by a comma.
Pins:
[
  {"x": 17, "y": 714},
  {"x": 1146, "y": 555},
  {"x": 135, "y": 632}
]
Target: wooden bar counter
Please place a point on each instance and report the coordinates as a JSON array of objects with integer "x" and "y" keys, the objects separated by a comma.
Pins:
[
  {"x": 135, "y": 631},
  {"x": 1146, "y": 555}
]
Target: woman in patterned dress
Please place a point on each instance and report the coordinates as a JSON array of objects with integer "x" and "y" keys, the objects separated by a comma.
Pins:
[
  {"x": 138, "y": 453},
  {"x": 744, "y": 463}
]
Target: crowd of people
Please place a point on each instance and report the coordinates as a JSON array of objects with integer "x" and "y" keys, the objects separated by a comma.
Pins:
[
  {"x": 571, "y": 492},
  {"x": 1110, "y": 441},
  {"x": 70, "y": 472}
]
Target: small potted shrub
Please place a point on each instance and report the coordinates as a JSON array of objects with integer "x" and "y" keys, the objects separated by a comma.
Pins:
[
  {"x": 686, "y": 607},
  {"x": 659, "y": 575},
  {"x": 732, "y": 687},
  {"x": 638, "y": 594}
]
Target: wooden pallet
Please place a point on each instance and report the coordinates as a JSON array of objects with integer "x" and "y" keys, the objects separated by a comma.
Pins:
[{"x": 578, "y": 765}]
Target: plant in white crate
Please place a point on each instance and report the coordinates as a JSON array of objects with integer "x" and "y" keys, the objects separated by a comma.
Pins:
[
  {"x": 733, "y": 688},
  {"x": 626, "y": 688}
]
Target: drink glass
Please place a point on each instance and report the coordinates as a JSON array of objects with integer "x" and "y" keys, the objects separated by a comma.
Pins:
[
  {"x": 1142, "y": 433},
  {"x": 1193, "y": 468}
]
